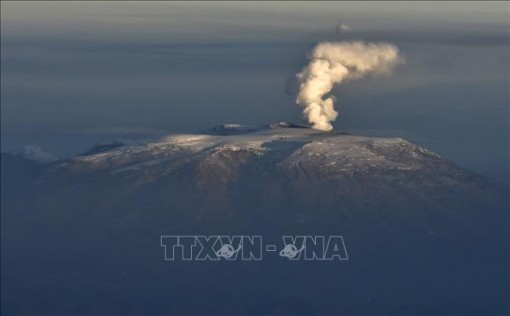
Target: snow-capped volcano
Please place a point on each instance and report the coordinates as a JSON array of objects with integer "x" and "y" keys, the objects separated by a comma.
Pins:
[
  {"x": 282, "y": 143},
  {"x": 281, "y": 168},
  {"x": 407, "y": 215}
]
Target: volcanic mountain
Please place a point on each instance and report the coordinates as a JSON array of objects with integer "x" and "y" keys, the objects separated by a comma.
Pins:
[
  {"x": 423, "y": 234},
  {"x": 277, "y": 170}
]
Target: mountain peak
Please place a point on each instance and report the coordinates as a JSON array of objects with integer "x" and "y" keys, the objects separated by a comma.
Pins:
[{"x": 235, "y": 170}]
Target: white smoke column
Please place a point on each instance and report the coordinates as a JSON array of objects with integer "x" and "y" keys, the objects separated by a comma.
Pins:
[{"x": 330, "y": 64}]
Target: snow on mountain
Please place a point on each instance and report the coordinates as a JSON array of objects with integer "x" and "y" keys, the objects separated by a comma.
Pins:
[
  {"x": 408, "y": 216},
  {"x": 295, "y": 143},
  {"x": 268, "y": 170}
]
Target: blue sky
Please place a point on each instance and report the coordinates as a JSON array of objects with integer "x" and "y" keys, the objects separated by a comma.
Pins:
[{"x": 77, "y": 73}]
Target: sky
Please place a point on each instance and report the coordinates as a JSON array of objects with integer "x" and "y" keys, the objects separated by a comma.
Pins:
[{"x": 78, "y": 73}]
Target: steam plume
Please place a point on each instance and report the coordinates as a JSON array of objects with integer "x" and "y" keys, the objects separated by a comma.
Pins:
[{"x": 330, "y": 64}]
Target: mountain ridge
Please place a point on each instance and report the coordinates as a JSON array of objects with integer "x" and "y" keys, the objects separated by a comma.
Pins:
[
  {"x": 263, "y": 172},
  {"x": 410, "y": 219}
]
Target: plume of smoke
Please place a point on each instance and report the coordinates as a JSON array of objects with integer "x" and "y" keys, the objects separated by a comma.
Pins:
[{"x": 330, "y": 64}]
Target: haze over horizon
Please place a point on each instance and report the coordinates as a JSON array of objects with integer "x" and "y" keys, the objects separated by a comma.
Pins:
[{"x": 74, "y": 74}]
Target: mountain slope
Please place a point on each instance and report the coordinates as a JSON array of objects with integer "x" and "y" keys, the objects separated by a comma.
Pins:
[
  {"x": 276, "y": 170},
  {"x": 424, "y": 236}
]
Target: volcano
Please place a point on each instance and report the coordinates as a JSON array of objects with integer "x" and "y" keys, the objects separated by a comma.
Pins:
[
  {"x": 274, "y": 170},
  {"x": 418, "y": 228}
]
